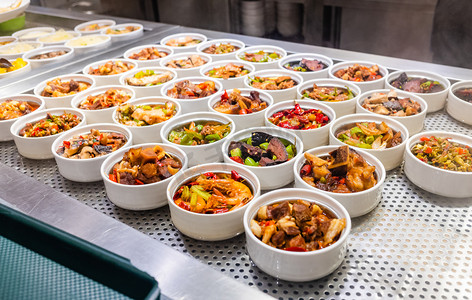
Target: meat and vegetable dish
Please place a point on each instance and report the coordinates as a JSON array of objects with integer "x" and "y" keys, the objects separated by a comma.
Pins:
[
  {"x": 183, "y": 42},
  {"x": 111, "y": 68},
  {"x": 191, "y": 61},
  {"x": 328, "y": 93},
  {"x": 150, "y": 53},
  {"x": 94, "y": 144},
  {"x": 61, "y": 88},
  {"x": 444, "y": 154},
  {"x": 149, "y": 78},
  {"x": 297, "y": 225},
  {"x": 237, "y": 104},
  {"x": 305, "y": 65},
  {"x": 464, "y": 94},
  {"x": 370, "y": 135},
  {"x": 12, "y": 109},
  {"x": 51, "y": 54},
  {"x": 342, "y": 171},
  {"x": 221, "y": 49},
  {"x": 260, "y": 56},
  {"x": 298, "y": 118},
  {"x": 227, "y": 71},
  {"x": 359, "y": 73},
  {"x": 127, "y": 29},
  {"x": 110, "y": 98},
  {"x": 51, "y": 125},
  {"x": 199, "y": 133},
  {"x": 188, "y": 90},
  {"x": 390, "y": 105},
  {"x": 214, "y": 193},
  {"x": 6, "y": 66},
  {"x": 261, "y": 149},
  {"x": 272, "y": 83},
  {"x": 145, "y": 115},
  {"x": 417, "y": 84},
  {"x": 93, "y": 27},
  {"x": 144, "y": 166}
]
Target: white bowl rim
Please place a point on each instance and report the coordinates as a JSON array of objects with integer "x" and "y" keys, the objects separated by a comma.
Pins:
[
  {"x": 443, "y": 80},
  {"x": 84, "y": 24},
  {"x": 163, "y": 61},
  {"x": 132, "y": 72},
  {"x": 456, "y": 86},
  {"x": 27, "y": 55},
  {"x": 203, "y": 38},
  {"x": 38, "y": 99},
  {"x": 98, "y": 90},
  {"x": 266, "y": 95},
  {"x": 266, "y": 73},
  {"x": 105, "y": 39},
  {"x": 341, "y": 65},
  {"x": 221, "y": 63},
  {"x": 134, "y": 50},
  {"x": 104, "y": 61},
  {"x": 202, "y": 46}
]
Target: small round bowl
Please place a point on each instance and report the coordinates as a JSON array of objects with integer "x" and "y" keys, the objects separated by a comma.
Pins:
[
  {"x": 195, "y": 71},
  {"x": 7, "y": 39},
  {"x": 5, "y": 134},
  {"x": 390, "y": 157},
  {"x": 278, "y": 95},
  {"x": 80, "y": 28},
  {"x": 341, "y": 108},
  {"x": 200, "y": 154},
  {"x": 43, "y": 39},
  {"x": 414, "y": 123},
  {"x": 99, "y": 115},
  {"x": 147, "y": 91},
  {"x": 226, "y": 56},
  {"x": 296, "y": 266},
  {"x": 108, "y": 79},
  {"x": 357, "y": 204},
  {"x": 139, "y": 197},
  {"x": 366, "y": 85},
  {"x": 35, "y": 63},
  {"x": 459, "y": 109},
  {"x": 53, "y": 102},
  {"x": 31, "y": 34},
  {"x": 271, "y": 177},
  {"x": 312, "y": 137},
  {"x": 89, "y": 43},
  {"x": 17, "y": 72},
  {"x": 248, "y": 120},
  {"x": 13, "y": 56},
  {"x": 436, "y": 101},
  {"x": 230, "y": 83},
  {"x": 151, "y": 133},
  {"x": 262, "y": 65},
  {"x": 191, "y": 48},
  {"x": 124, "y": 36},
  {"x": 85, "y": 170},
  {"x": 39, "y": 147},
  {"x": 151, "y": 62},
  {"x": 191, "y": 105},
  {"x": 308, "y": 75},
  {"x": 435, "y": 180},
  {"x": 215, "y": 227}
]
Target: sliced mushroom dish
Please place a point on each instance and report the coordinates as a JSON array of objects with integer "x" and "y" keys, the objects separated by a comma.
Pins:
[
  {"x": 305, "y": 65},
  {"x": 417, "y": 84},
  {"x": 237, "y": 104},
  {"x": 390, "y": 105},
  {"x": 189, "y": 62},
  {"x": 464, "y": 94}
]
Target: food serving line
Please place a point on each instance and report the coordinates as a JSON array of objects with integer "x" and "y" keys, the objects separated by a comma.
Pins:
[{"x": 413, "y": 244}]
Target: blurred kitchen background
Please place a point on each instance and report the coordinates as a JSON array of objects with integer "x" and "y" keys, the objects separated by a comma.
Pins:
[{"x": 437, "y": 31}]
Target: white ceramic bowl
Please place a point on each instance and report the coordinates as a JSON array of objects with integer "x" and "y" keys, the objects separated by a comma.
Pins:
[
  {"x": 195, "y": 71},
  {"x": 124, "y": 36},
  {"x": 226, "y": 56},
  {"x": 191, "y": 48},
  {"x": 459, "y": 109},
  {"x": 99, "y": 115},
  {"x": 210, "y": 227},
  {"x": 139, "y": 197},
  {"x": 5, "y": 134},
  {"x": 390, "y": 157},
  {"x": 191, "y": 105},
  {"x": 39, "y": 147},
  {"x": 248, "y": 120},
  {"x": 85, "y": 170},
  {"x": 31, "y": 34},
  {"x": 262, "y": 65},
  {"x": 341, "y": 108},
  {"x": 13, "y": 56},
  {"x": 53, "y": 102},
  {"x": 7, "y": 38},
  {"x": 17, "y": 72},
  {"x": 151, "y": 62},
  {"x": 230, "y": 83},
  {"x": 366, "y": 85},
  {"x": 79, "y": 28},
  {"x": 296, "y": 266},
  {"x": 357, "y": 204},
  {"x": 312, "y": 137},
  {"x": 147, "y": 91},
  {"x": 43, "y": 39},
  {"x": 435, "y": 180},
  {"x": 151, "y": 133},
  {"x": 35, "y": 63},
  {"x": 271, "y": 177},
  {"x": 436, "y": 101},
  {"x": 89, "y": 43},
  {"x": 308, "y": 75},
  {"x": 108, "y": 79},
  {"x": 278, "y": 95},
  {"x": 414, "y": 123},
  {"x": 200, "y": 154}
]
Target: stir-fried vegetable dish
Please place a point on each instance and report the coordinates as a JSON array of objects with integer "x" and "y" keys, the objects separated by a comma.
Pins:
[
  {"x": 272, "y": 83},
  {"x": 149, "y": 78},
  {"x": 227, "y": 71},
  {"x": 442, "y": 153},
  {"x": 183, "y": 42},
  {"x": 305, "y": 65},
  {"x": 50, "y": 54},
  {"x": 417, "y": 84},
  {"x": 370, "y": 135},
  {"x": 297, "y": 225},
  {"x": 111, "y": 68},
  {"x": 7, "y": 66},
  {"x": 187, "y": 90},
  {"x": 214, "y": 193},
  {"x": 12, "y": 109},
  {"x": 359, "y": 73},
  {"x": 191, "y": 61},
  {"x": 464, "y": 94},
  {"x": 51, "y": 125},
  {"x": 61, "y": 88},
  {"x": 299, "y": 118},
  {"x": 93, "y": 144},
  {"x": 261, "y": 149},
  {"x": 150, "y": 53},
  {"x": 145, "y": 115},
  {"x": 221, "y": 48},
  {"x": 328, "y": 93},
  {"x": 199, "y": 133},
  {"x": 237, "y": 104},
  {"x": 111, "y": 98},
  {"x": 124, "y": 30},
  {"x": 260, "y": 56},
  {"x": 390, "y": 105}
]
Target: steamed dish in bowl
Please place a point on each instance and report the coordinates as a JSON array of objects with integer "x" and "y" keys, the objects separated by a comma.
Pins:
[
  {"x": 369, "y": 135},
  {"x": 305, "y": 65},
  {"x": 272, "y": 83},
  {"x": 390, "y": 105},
  {"x": 199, "y": 133},
  {"x": 110, "y": 98},
  {"x": 111, "y": 68},
  {"x": 416, "y": 84},
  {"x": 188, "y": 90},
  {"x": 260, "y": 56},
  {"x": 221, "y": 49},
  {"x": 227, "y": 71},
  {"x": 150, "y": 53},
  {"x": 12, "y": 109},
  {"x": 237, "y": 104},
  {"x": 328, "y": 93},
  {"x": 51, "y": 125},
  {"x": 298, "y": 118},
  {"x": 359, "y": 73},
  {"x": 149, "y": 78},
  {"x": 145, "y": 115},
  {"x": 61, "y": 88}
]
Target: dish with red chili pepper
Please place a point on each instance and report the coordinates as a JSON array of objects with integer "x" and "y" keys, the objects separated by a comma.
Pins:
[
  {"x": 111, "y": 68},
  {"x": 12, "y": 109},
  {"x": 298, "y": 118},
  {"x": 237, "y": 104},
  {"x": 111, "y": 98},
  {"x": 214, "y": 193},
  {"x": 187, "y": 90},
  {"x": 359, "y": 73},
  {"x": 297, "y": 225},
  {"x": 51, "y": 125}
]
